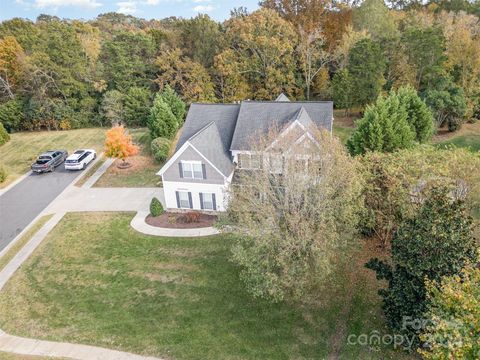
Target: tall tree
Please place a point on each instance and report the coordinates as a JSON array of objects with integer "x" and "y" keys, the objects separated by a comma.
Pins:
[
  {"x": 366, "y": 65},
  {"x": 441, "y": 235},
  {"x": 201, "y": 39},
  {"x": 162, "y": 122},
  {"x": 262, "y": 47},
  {"x": 136, "y": 105},
  {"x": 425, "y": 50},
  {"x": 374, "y": 16},
  {"x": 11, "y": 65},
  {"x": 127, "y": 60},
  {"x": 176, "y": 104},
  {"x": 188, "y": 78}
]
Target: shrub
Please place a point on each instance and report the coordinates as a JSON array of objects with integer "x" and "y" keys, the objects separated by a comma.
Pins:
[
  {"x": 454, "y": 313},
  {"x": 161, "y": 122},
  {"x": 156, "y": 208},
  {"x": 160, "y": 148},
  {"x": 3, "y": 174},
  {"x": 4, "y": 137},
  {"x": 384, "y": 127},
  {"x": 441, "y": 235},
  {"x": 192, "y": 217}
]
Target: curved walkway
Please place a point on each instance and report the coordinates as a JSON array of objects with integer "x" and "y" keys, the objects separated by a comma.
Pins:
[
  {"x": 24, "y": 346},
  {"x": 139, "y": 224}
]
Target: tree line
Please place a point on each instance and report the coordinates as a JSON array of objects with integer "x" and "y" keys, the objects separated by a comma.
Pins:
[{"x": 59, "y": 73}]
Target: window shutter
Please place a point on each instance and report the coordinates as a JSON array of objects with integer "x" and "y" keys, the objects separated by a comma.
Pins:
[
  {"x": 204, "y": 171},
  {"x": 178, "y": 199},
  {"x": 180, "y": 169},
  {"x": 190, "y": 200},
  {"x": 214, "y": 202},
  {"x": 201, "y": 200}
]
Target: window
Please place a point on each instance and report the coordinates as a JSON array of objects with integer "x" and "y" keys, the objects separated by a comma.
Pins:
[
  {"x": 192, "y": 170},
  {"x": 276, "y": 163},
  {"x": 207, "y": 201},
  {"x": 183, "y": 199},
  {"x": 249, "y": 161}
]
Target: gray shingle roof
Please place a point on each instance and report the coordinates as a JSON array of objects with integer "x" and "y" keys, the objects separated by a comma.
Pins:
[
  {"x": 200, "y": 115},
  {"x": 282, "y": 97},
  {"x": 209, "y": 142},
  {"x": 257, "y": 117}
]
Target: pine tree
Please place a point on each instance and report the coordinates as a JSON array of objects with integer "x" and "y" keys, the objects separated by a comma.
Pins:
[
  {"x": 161, "y": 122},
  {"x": 175, "y": 103}
]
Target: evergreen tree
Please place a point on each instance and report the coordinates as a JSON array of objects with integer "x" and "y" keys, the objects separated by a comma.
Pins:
[
  {"x": 342, "y": 87},
  {"x": 419, "y": 115},
  {"x": 175, "y": 103},
  {"x": 437, "y": 242},
  {"x": 137, "y": 106},
  {"x": 11, "y": 114},
  {"x": 366, "y": 65},
  {"x": 162, "y": 122},
  {"x": 384, "y": 127}
]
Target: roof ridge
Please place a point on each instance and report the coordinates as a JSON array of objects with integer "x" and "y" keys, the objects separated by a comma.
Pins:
[
  {"x": 208, "y": 103},
  {"x": 288, "y": 102},
  {"x": 202, "y": 129}
]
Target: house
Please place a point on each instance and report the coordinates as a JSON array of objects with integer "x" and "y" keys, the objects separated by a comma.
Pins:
[{"x": 216, "y": 140}]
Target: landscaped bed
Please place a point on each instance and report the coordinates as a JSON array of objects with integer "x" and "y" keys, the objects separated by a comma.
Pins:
[
  {"x": 142, "y": 167},
  {"x": 181, "y": 220},
  {"x": 94, "y": 280}
]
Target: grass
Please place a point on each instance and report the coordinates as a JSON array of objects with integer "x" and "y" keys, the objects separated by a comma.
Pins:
[
  {"x": 94, "y": 280},
  {"x": 11, "y": 356},
  {"x": 5, "y": 259},
  {"x": 143, "y": 170},
  {"x": 343, "y": 132},
  {"x": 468, "y": 137},
  {"x": 90, "y": 171},
  {"x": 17, "y": 155}
]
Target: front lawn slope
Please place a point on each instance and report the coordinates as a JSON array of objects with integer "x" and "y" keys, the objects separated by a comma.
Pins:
[{"x": 96, "y": 281}]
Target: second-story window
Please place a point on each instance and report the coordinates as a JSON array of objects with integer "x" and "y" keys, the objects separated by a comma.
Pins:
[
  {"x": 192, "y": 170},
  {"x": 250, "y": 161}
]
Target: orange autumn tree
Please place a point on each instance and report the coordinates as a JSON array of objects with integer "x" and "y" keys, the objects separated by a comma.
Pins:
[{"x": 118, "y": 144}]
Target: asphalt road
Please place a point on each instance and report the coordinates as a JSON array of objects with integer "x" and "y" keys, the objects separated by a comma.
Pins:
[{"x": 22, "y": 203}]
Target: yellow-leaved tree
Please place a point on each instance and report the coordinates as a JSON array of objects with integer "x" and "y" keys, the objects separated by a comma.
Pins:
[{"x": 119, "y": 145}]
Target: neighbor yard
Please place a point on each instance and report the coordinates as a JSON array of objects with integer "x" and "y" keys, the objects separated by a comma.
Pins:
[
  {"x": 143, "y": 170},
  {"x": 17, "y": 155},
  {"x": 94, "y": 280}
]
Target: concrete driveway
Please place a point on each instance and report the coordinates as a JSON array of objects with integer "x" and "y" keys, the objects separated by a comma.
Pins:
[{"x": 23, "y": 202}]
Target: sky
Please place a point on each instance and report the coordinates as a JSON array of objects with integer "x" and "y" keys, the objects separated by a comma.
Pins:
[{"x": 148, "y": 9}]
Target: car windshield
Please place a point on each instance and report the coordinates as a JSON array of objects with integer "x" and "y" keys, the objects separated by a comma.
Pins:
[
  {"x": 78, "y": 152},
  {"x": 42, "y": 161}
]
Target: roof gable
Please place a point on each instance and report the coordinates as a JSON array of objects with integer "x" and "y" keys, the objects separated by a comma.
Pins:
[{"x": 282, "y": 97}]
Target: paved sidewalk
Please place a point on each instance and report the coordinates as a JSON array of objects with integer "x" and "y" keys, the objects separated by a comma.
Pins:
[
  {"x": 139, "y": 224},
  {"x": 24, "y": 346},
  {"x": 97, "y": 174}
]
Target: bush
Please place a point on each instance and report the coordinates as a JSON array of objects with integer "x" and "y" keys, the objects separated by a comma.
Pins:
[
  {"x": 11, "y": 114},
  {"x": 160, "y": 148},
  {"x": 192, "y": 217},
  {"x": 441, "y": 235},
  {"x": 4, "y": 137},
  {"x": 3, "y": 174},
  {"x": 156, "y": 208},
  {"x": 162, "y": 122}
]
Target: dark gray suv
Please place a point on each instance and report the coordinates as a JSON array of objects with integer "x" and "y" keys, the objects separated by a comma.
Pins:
[{"x": 49, "y": 160}]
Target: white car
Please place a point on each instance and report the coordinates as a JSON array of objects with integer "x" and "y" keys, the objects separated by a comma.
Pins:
[{"x": 80, "y": 159}]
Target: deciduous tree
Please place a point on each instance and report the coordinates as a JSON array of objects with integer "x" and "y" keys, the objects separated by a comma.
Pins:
[{"x": 118, "y": 144}]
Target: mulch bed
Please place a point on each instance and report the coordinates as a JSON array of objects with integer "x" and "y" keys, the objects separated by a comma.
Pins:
[{"x": 177, "y": 221}]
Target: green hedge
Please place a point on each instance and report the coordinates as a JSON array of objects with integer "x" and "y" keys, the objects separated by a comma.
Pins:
[{"x": 4, "y": 137}]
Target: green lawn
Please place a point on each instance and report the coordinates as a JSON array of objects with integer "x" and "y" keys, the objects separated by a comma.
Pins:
[
  {"x": 143, "y": 170},
  {"x": 5, "y": 259},
  {"x": 94, "y": 280},
  {"x": 17, "y": 155},
  {"x": 342, "y": 132},
  {"x": 471, "y": 141}
]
